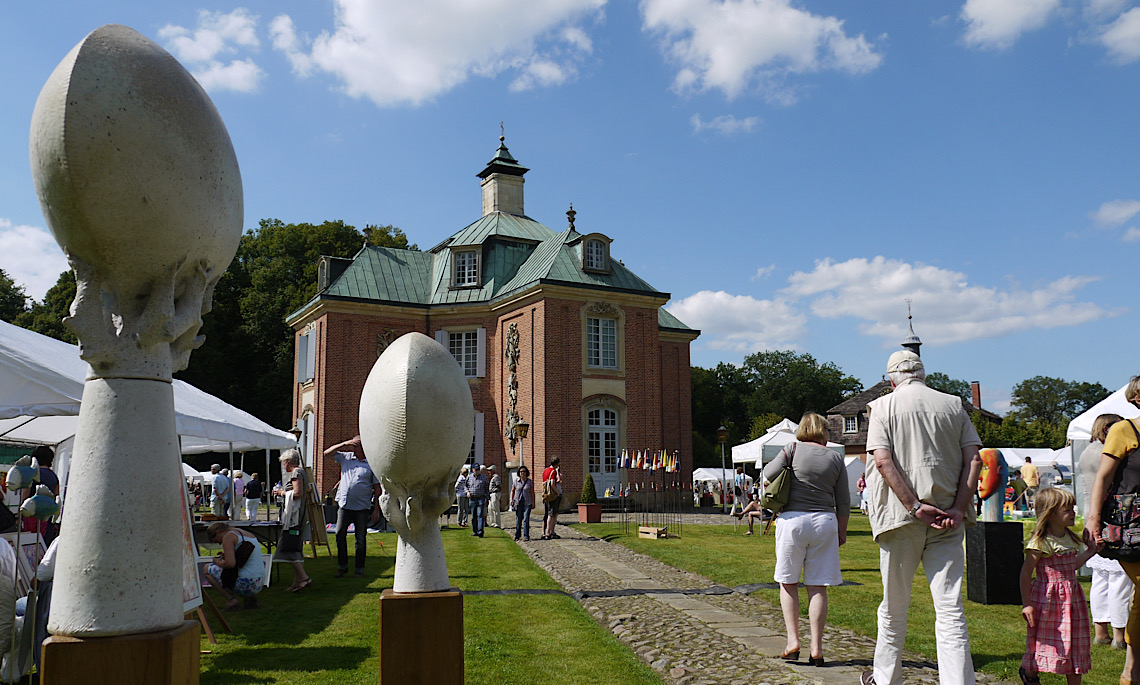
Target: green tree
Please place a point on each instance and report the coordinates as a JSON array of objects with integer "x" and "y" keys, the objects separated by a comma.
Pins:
[
  {"x": 46, "y": 317},
  {"x": 762, "y": 423},
  {"x": 13, "y": 299},
  {"x": 790, "y": 384},
  {"x": 1043, "y": 398},
  {"x": 1016, "y": 432},
  {"x": 247, "y": 359},
  {"x": 943, "y": 383}
]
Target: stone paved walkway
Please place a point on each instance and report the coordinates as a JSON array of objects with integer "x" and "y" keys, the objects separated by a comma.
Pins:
[{"x": 692, "y": 631}]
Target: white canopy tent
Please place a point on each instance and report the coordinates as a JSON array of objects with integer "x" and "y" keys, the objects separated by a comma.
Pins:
[
  {"x": 1080, "y": 428},
  {"x": 716, "y": 476},
  {"x": 765, "y": 448},
  {"x": 41, "y": 387}
]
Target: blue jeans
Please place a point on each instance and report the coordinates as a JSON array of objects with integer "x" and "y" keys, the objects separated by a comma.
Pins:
[
  {"x": 522, "y": 520},
  {"x": 478, "y": 514}
]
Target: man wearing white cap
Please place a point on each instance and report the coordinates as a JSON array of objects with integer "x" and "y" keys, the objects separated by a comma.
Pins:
[{"x": 920, "y": 484}]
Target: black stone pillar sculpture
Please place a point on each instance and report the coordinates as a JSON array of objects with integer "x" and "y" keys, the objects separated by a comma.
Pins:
[{"x": 993, "y": 562}]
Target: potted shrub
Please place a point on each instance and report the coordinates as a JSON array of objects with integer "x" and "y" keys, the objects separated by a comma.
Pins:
[{"x": 589, "y": 511}]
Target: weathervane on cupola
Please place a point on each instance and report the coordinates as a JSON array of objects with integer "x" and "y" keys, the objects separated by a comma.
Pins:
[{"x": 911, "y": 341}]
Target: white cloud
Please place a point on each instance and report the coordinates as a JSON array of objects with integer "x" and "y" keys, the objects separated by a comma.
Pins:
[
  {"x": 1096, "y": 10},
  {"x": 1122, "y": 37},
  {"x": 764, "y": 272},
  {"x": 1132, "y": 235},
  {"x": 997, "y": 24},
  {"x": 740, "y": 323},
  {"x": 541, "y": 73},
  {"x": 30, "y": 257},
  {"x": 218, "y": 36},
  {"x": 1116, "y": 212},
  {"x": 725, "y": 124},
  {"x": 734, "y": 45},
  {"x": 396, "y": 52},
  {"x": 952, "y": 310}
]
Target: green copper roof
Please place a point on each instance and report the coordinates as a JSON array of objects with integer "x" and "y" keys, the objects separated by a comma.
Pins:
[
  {"x": 385, "y": 274},
  {"x": 503, "y": 163},
  {"x": 499, "y": 225},
  {"x": 667, "y": 320}
]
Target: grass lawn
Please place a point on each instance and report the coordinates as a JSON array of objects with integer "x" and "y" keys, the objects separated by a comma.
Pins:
[
  {"x": 328, "y": 633},
  {"x": 997, "y": 632}
]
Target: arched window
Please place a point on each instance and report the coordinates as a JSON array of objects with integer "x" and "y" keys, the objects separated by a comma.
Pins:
[
  {"x": 595, "y": 255},
  {"x": 602, "y": 441}
]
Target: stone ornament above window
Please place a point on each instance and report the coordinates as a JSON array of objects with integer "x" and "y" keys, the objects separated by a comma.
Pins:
[
  {"x": 602, "y": 309},
  {"x": 384, "y": 339}
]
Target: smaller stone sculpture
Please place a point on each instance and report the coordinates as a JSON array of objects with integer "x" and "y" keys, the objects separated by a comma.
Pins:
[
  {"x": 416, "y": 424},
  {"x": 25, "y": 472},
  {"x": 991, "y": 484},
  {"x": 41, "y": 505}
]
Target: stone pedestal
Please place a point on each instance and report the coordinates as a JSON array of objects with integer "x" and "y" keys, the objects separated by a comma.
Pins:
[
  {"x": 993, "y": 562},
  {"x": 169, "y": 657},
  {"x": 421, "y": 638}
]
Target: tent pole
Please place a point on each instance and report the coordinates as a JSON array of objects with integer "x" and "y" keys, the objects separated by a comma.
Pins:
[{"x": 265, "y": 484}]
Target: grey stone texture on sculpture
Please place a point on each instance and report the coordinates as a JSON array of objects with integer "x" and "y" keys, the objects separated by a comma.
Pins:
[
  {"x": 140, "y": 186},
  {"x": 139, "y": 183},
  {"x": 416, "y": 424}
]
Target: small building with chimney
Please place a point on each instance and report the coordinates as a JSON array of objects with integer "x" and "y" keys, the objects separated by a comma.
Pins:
[{"x": 549, "y": 327}]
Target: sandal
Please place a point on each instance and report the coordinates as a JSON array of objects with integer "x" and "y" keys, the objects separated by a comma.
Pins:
[
  {"x": 815, "y": 661},
  {"x": 232, "y": 605},
  {"x": 1028, "y": 678},
  {"x": 302, "y": 585},
  {"x": 793, "y": 655}
]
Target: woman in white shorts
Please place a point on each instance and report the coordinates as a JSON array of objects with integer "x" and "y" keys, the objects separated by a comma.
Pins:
[{"x": 809, "y": 531}]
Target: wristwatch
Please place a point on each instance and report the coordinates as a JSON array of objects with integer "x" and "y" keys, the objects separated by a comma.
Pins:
[{"x": 915, "y": 508}]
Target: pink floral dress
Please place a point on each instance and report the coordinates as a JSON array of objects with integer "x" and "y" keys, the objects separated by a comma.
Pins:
[{"x": 1059, "y": 642}]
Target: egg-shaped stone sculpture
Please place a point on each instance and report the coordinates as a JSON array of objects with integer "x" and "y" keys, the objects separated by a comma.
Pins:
[{"x": 416, "y": 424}]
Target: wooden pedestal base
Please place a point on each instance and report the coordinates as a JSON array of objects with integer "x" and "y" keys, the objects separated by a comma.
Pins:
[
  {"x": 170, "y": 657},
  {"x": 421, "y": 638}
]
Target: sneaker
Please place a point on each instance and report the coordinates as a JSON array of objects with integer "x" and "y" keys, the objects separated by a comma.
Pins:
[
  {"x": 340, "y": 573},
  {"x": 359, "y": 573},
  {"x": 867, "y": 678},
  {"x": 556, "y": 536},
  {"x": 525, "y": 539}
]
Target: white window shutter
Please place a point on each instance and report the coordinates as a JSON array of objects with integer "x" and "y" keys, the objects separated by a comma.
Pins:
[
  {"x": 302, "y": 356},
  {"x": 441, "y": 338},
  {"x": 481, "y": 359},
  {"x": 479, "y": 437},
  {"x": 311, "y": 357}
]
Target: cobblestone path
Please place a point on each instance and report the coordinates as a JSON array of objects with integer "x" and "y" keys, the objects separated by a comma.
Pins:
[{"x": 692, "y": 631}]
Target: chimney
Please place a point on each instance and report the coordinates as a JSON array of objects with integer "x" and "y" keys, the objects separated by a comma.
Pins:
[{"x": 976, "y": 394}]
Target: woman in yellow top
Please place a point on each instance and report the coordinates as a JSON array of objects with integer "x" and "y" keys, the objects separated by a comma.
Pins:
[{"x": 1119, "y": 474}]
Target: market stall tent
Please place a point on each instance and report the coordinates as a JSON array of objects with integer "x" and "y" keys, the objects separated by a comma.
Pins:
[
  {"x": 41, "y": 388},
  {"x": 765, "y": 448}
]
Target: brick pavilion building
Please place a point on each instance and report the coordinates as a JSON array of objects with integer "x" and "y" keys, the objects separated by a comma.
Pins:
[{"x": 600, "y": 366}]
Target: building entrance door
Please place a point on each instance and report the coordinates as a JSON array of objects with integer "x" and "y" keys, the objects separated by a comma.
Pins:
[{"x": 602, "y": 449}]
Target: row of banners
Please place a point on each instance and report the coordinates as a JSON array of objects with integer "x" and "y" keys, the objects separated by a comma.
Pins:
[{"x": 650, "y": 461}]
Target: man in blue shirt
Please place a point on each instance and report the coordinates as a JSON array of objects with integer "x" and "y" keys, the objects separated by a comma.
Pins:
[
  {"x": 222, "y": 491},
  {"x": 356, "y": 496}
]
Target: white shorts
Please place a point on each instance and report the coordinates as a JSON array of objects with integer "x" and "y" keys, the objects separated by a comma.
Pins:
[{"x": 807, "y": 542}]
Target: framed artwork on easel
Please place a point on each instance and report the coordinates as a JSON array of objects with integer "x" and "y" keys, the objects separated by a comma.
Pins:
[{"x": 29, "y": 549}]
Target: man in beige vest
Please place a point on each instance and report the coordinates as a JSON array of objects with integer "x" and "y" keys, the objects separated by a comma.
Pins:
[{"x": 920, "y": 484}]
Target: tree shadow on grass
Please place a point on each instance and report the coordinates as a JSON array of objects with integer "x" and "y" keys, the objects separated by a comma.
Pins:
[{"x": 234, "y": 666}]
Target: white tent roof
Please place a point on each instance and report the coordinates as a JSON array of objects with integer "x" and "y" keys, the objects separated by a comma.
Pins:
[
  {"x": 190, "y": 472},
  {"x": 41, "y": 385},
  {"x": 707, "y": 475},
  {"x": 1043, "y": 457},
  {"x": 1080, "y": 428},
  {"x": 765, "y": 448}
]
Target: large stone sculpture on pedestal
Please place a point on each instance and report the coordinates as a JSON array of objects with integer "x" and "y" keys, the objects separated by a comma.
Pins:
[
  {"x": 416, "y": 423},
  {"x": 140, "y": 186}
]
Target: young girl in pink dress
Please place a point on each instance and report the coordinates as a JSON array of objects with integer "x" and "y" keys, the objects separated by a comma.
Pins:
[{"x": 1055, "y": 608}]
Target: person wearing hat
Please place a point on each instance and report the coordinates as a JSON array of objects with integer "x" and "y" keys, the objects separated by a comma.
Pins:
[
  {"x": 922, "y": 478},
  {"x": 494, "y": 516}
]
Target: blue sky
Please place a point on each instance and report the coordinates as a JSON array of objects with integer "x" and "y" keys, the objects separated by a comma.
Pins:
[{"x": 791, "y": 172}]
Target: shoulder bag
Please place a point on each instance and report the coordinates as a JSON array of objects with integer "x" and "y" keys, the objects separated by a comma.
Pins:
[
  {"x": 242, "y": 554},
  {"x": 1120, "y": 517},
  {"x": 775, "y": 496}
]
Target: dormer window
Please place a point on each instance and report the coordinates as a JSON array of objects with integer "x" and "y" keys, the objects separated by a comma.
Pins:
[
  {"x": 850, "y": 424},
  {"x": 465, "y": 268},
  {"x": 595, "y": 255}
]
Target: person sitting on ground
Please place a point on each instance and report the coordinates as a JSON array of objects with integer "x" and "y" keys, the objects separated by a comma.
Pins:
[{"x": 228, "y": 573}]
